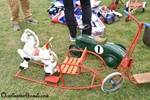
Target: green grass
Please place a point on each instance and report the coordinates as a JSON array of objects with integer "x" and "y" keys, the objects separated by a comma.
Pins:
[{"x": 120, "y": 32}]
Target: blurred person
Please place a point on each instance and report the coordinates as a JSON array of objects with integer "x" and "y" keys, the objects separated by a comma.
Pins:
[
  {"x": 70, "y": 19},
  {"x": 13, "y": 6}
]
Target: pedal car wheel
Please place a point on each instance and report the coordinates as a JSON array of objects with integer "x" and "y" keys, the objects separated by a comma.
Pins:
[
  {"x": 75, "y": 53},
  {"x": 143, "y": 7},
  {"x": 127, "y": 5},
  {"x": 123, "y": 47},
  {"x": 111, "y": 61},
  {"x": 109, "y": 83}
]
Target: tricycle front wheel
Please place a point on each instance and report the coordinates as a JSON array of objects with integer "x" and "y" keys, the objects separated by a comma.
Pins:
[{"x": 112, "y": 82}]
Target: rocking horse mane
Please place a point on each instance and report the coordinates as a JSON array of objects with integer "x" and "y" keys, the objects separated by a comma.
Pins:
[
  {"x": 31, "y": 33},
  {"x": 55, "y": 58}
]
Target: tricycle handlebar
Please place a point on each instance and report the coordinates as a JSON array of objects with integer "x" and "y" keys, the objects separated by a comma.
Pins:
[
  {"x": 127, "y": 13},
  {"x": 132, "y": 17},
  {"x": 146, "y": 24}
]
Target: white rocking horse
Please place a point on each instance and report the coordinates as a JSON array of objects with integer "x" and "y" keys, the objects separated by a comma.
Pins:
[{"x": 32, "y": 51}]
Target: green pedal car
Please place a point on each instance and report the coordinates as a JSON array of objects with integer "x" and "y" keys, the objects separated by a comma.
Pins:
[{"x": 111, "y": 53}]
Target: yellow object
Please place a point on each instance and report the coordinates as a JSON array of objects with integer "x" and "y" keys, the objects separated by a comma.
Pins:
[
  {"x": 48, "y": 41},
  {"x": 100, "y": 40}
]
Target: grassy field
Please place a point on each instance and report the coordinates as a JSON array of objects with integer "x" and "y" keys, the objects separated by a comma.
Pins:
[{"x": 120, "y": 32}]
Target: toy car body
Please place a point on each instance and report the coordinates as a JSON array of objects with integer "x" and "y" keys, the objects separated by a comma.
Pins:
[{"x": 111, "y": 53}]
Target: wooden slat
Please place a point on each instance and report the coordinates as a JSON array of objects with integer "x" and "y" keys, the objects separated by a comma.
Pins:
[
  {"x": 66, "y": 60},
  {"x": 66, "y": 67},
  {"x": 75, "y": 68},
  {"x": 72, "y": 67},
  {"x": 142, "y": 78}
]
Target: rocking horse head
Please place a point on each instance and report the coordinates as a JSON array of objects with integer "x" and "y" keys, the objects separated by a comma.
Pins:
[{"x": 30, "y": 38}]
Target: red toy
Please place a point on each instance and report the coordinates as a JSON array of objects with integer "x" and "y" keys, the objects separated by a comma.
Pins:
[
  {"x": 133, "y": 5},
  {"x": 114, "y": 4},
  {"x": 75, "y": 67},
  {"x": 70, "y": 66},
  {"x": 115, "y": 80}
]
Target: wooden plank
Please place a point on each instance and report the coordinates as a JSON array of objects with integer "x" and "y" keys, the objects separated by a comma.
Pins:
[
  {"x": 142, "y": 78},
  {"x": 71, "y": 67},
  {"x": 66, "y": 60},
  {"x": 75, "y": 68},
  {"x": 66, "y": 66}
]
